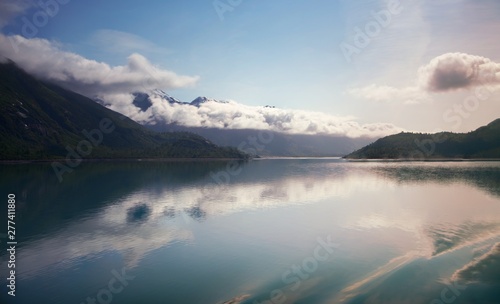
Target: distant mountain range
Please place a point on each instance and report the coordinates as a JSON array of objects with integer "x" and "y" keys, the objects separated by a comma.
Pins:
[
  {"x": 282, "y": 144},
  {"x": 143, "y": 100},
  {"x": 483, "y": 143},
  {"x": 41, "y": 121}
]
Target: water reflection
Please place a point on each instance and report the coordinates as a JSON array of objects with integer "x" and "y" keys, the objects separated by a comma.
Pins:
[
  {"x": 44, "y": 203},
  {"x": 409, "y": 220},
  {"x": 483, "y": 175},
  {"x": 483, "y": 269},
  {"x": 138, "y": 214}
]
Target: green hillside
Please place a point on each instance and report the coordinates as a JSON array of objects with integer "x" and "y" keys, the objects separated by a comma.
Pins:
[
  {"x": 43, "y": 121},
  {"x": 483, "y": 143}
]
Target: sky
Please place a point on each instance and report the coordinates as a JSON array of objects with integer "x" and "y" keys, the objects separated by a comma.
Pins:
[{"x": 355, "y": 66}]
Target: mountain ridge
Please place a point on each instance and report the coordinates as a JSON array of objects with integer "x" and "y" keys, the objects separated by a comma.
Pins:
[
  {"x": 482, "y": 143},
  {"x": 283, "y": 144},
  {"x": 41, "y": 121}
]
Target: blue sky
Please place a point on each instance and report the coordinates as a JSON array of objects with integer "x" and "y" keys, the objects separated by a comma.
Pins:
[
  {"x": 288, "y": 54},
  {"x": 255, "y": 55}
]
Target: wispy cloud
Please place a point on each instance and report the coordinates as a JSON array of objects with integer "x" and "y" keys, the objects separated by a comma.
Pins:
[
  {"x": 483, "y": 269},
  {"x": 10, "y": 9},
  {"x": 388, "y": 94},
  {"x": 118, "y": 42}
]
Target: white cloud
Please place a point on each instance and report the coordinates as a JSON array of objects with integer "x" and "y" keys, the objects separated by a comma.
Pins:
[
  {"x": 233, "y": 115},
  {"x": 445, "y": 73},
  {"x": 47, "y": 60},
  {"x": 454, "y": 71},
  {"x": 115, "y": 85}
]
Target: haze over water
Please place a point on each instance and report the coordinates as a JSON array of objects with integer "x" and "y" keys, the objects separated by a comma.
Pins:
[{"x": 281, "y": 231}]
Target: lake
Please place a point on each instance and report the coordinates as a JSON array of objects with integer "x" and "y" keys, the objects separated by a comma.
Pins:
[{"x": 266, "y": 231}]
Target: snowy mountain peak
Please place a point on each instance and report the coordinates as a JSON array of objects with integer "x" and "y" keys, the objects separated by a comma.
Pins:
[
  {"x": 202, "y": 99},
  {"x": 163, "y": 95},
  {"x": 144, "y": 100}
]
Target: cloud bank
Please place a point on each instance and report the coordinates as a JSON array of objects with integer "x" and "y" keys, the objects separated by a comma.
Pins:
[
  {"x": 445, "y": 73},
  {"x": 47, "y": 60},
  {"x": 116, "y": 85},
  {"x": 233, "y": 115}
]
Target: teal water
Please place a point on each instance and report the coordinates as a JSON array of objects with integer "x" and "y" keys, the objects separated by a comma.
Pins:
[{"x": 267, "y": 231}]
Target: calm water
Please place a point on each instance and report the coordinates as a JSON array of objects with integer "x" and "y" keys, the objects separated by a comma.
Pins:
[{"x": 274, "y": 231}]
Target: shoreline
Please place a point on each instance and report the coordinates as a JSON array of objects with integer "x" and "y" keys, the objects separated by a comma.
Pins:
[
  {"x": 422, "y": 160},
  {"x": 95, "y": 160},
  {"x": 204, "y": 159}
]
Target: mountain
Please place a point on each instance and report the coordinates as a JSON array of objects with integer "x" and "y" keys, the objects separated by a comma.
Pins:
[
  {"x": 283, "y": 144},
  {"x": 201, "y": 100},
  {"x": 163, "y": 95},
  {"x": 40, "y": 120},
  {"x": 143, "y": 101},
  {"x": 483, "y": 143}
]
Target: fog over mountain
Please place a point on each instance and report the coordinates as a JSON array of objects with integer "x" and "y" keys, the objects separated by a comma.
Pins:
[
  {"x": 228, "y": 123},
  {"x": 157, "y": 108}
]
